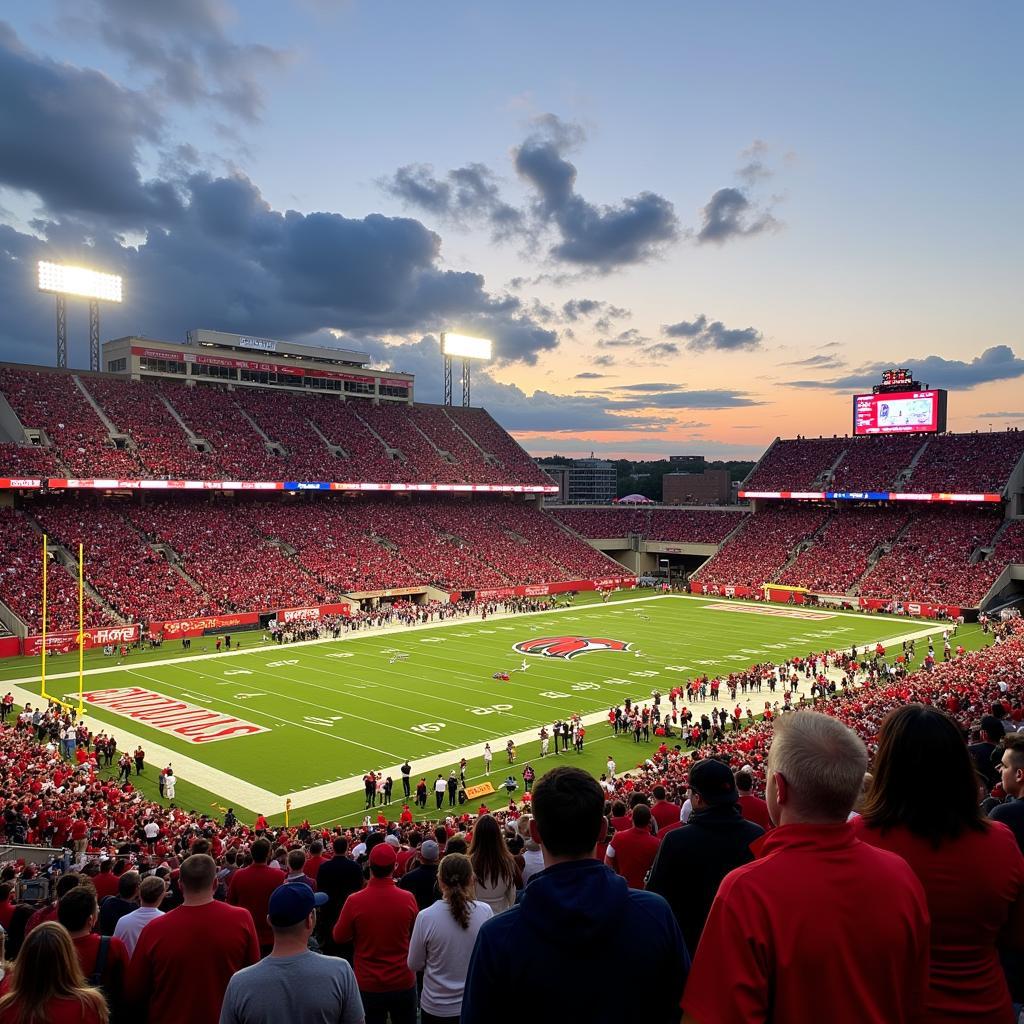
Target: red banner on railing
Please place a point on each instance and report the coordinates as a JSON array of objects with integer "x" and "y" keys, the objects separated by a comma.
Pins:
[
  {"x": 8, "y": 483},
  {"x": 66, "y": 640},
  {"x": 313, "y": 614},
  {"x": 176, "y": 629},
  {"x": 544, "y": 589}
]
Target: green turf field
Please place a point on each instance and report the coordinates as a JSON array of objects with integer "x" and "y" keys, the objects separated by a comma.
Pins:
[{"x": 330, "y": 711}]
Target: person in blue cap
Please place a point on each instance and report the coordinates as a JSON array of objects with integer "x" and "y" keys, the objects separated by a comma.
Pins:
[{"x": 293, "y": 982}]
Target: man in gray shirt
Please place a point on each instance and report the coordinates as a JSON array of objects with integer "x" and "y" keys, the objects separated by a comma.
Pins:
[{"x": 293, "y": 983}]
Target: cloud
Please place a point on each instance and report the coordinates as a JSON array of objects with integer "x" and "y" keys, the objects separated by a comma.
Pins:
[
  {"x": 466, "y": 195},
  {"x": 996, "y": 363},
  {"x": 648, "y": 387},
  {"x": 703, "y": 335},
  {"x": 824, "y": 362},
  {"x": 730, "y": 214},
  {"x": 639, "y": 447},
  {"x": 186, "y": 47},
  {"x": 1019, "y": 415},
  {"x": 581, "y": 309},
  {"x": 719, "y": 398},
  {"x": 590, "y": 376},
  {"x": 603, "y": 360},
  {"x": 753, "y": 169},
  {"x": 630, "y": 338},
  {"x": 660, "y": 351},
  {"x": 635, "y": 230},
  {"x": 72, "y": 137}
]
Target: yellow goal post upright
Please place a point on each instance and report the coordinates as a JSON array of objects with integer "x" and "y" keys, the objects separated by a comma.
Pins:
[{"x": 42, "y": 652}]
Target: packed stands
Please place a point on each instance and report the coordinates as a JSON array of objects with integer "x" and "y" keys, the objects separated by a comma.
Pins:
[
  {"x": 437, "y": 425},
  {"x": 482, "y": 429},
  {"x": 161, "y": 444},
  {"x": 398, "y": 429},
  {"x": 53, "y": 403},
  {"x": 873, "y": 463},
  {"x": 931, "y": 561},
  {"x": 127, "y": 573},
  {"x": 28, "y": 460},
  {"x": 687, "y": 526},
  {"x": 795, "y": 465},
  {"x": 949, "y": 463},
  {"x": 21, "y": 580},
  {"x": 760, "y": 549},
  {"x": 839, "y": 555},
  {"x": 967, "y": 463}
]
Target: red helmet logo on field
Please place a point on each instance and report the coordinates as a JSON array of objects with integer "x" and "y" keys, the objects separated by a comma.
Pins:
[{"x": 568, "y": 646}]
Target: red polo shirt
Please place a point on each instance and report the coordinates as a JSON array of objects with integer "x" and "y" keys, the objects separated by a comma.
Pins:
[
  {"x": 251, "y": 888},
  {"x": 975, "y": 890},
  {"x": 631, "y": 854},
  {"x": 665, "y": 813},
  {"x": 379, "y": 920},
  {"x": 754, "y": 809},
  {"x": 819, "y": 925}
]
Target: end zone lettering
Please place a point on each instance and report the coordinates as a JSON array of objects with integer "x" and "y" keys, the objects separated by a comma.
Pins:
[{"x": 178, "y": 718}]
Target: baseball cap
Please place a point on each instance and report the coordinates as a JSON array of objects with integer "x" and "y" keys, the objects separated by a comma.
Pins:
[
  {"x": 392, "y": 841},
  {"x": 383, "y": 856},
  {"x": 293, "y": 902},
  {"x": 429, "y": 850},
  {"x": 714, "y": 782}
]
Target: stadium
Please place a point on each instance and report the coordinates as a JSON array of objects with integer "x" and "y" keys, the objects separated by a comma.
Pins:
[{"x": 337, "y": 683}]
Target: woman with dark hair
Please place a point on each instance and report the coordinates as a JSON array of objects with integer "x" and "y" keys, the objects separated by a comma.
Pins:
[
  {"x": 47, "y": 985},
  {"x": 443, "y": 939},
  {"x": 497, "y": 876},
  {"x": 923, "y": 805}
]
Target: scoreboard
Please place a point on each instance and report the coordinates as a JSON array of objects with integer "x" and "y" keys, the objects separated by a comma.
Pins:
[{"x": 900, "y": 412}]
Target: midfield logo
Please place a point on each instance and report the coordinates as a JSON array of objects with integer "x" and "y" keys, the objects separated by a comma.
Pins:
[{"x": 568, "y": 646}]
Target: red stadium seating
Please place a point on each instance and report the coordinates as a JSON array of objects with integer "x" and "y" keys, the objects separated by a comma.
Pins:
[
  {"x": 795, "y": 465},
  {"x": 873, "y": 463},
  {"x": 967, "y": 463}
]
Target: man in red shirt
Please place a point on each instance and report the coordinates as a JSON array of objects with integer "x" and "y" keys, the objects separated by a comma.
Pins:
[
  {"x": 753, "y": 808},
  {"x": 251, "y": 888},
  {"x": 819, "y": 924},
  {"x": 184, "y": 960},
  {"x": 378, "y": 920},
  {"x": 103, "y": 959},
  {"x": 313, "y": 861},
  {"x": 632, "y": 851},
  {"x": 663, "y": 811},
  {"x": 106, "y": 881}
]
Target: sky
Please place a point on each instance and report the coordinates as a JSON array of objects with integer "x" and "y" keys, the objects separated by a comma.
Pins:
[{"x": 689, "y": 228}]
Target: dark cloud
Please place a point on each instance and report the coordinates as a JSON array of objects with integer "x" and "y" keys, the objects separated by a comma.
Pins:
[
  {"x": 660, "y": 351},
  {"x": 753, "y": 169},
  {"x": 466, "y": 195},
  {"x": 683, "y": 399},
  {"x": 648, "y": 387},
  {"x": 730, "y": 214},
  {"x": 630, "y": 338},
  {"x": 72, "y": 137},
  {"x": 603, "y": 360},
  {"x": 581, "y": 309},
  {"x": 649, "y": 447},
  {"x": 823, "y": 362},
  {"x": 590, "y": 376},
  {"x": 186, "y": 47},
  {"x": 602, "y": 238},
  {"x": 1019, "y": 415},
  {"x": 994, "y": 364},
  {"x": 703, "y": 335}
]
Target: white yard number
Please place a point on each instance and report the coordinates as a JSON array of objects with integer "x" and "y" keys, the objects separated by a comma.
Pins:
[
  {"x": 328, "y": 721},
  {"x": 490, "y": 709},
  {"x": 427, "y": 727},
  {"x": 248, "y": 696},
  {"x": 433, "y": 640},
  {"x": 341, "y": 654},
  {"x": 646, "y": 674},
  {"x": 615, "y": 681},
  {"x": 555, "y": 695},
  {"x": 281, "y": 664},
  {"x": 584, "y": 686},
  {"x": 237, "y": 672},
  {"x": 677, "y": 668}
]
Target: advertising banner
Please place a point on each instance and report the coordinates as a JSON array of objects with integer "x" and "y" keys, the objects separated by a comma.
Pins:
[{"x": 66, "y": 640}]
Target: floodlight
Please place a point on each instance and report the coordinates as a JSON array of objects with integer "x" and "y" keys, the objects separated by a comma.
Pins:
[
  {"x": 465, "y": 347},
  {"x": 89, "y": 284}
]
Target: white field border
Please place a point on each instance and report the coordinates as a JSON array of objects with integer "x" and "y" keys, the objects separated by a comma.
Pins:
[{"x": 238, "y": 791}]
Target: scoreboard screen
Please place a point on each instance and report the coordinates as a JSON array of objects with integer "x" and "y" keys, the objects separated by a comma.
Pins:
[{"x": 900, "y": 412}]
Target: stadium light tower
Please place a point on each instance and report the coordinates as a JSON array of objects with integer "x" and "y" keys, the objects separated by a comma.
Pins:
[
  {"x": 467, "y": 348},
  {"x": 61, "y": 280}
]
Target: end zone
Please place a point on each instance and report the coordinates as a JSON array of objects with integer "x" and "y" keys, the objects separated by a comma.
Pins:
[{"x": 779, "y": 613}]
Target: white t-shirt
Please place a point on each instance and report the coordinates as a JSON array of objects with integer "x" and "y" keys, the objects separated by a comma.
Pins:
[
  {"x": 129, "y": 928},
  {"x": 533, "y": 863},
  {"x": 441, "y": 948}
]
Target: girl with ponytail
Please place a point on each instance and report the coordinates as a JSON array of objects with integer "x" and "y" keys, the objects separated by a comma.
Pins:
[{"x": 443, "y": 939}]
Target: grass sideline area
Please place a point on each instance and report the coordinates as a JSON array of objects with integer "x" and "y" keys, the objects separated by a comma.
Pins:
[{"x": 329, "y": 711}]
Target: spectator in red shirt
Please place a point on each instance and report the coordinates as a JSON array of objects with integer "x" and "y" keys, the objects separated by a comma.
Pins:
[
  {"x": 184, "y": 960},
  {"x": 47, "y": 983},
  {"x": 664, "y": 812},
  {"x": 631, "y": 852},
  {"x": 971, "y": 868},
  {"x": 379, "y": 921},
  {"x": 104, "y": 960},
  {"x": 820, "y": 923},
  {"x": 313, "y": 861},
  {"x": 251, "y": 888},
  {"x": 105, "y": 881},
  {"x": 753, "y": 808}
]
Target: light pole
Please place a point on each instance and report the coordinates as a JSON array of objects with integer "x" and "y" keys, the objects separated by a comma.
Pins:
[
  {"x": 468, "y": 348},
  {"x": 61, "y": 280}
]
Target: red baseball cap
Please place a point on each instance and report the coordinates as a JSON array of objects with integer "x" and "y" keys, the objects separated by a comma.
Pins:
[{"x": 383, "y": 856}]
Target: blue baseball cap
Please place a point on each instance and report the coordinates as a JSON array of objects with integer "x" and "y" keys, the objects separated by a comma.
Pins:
[{"x": 293, "y": 902}]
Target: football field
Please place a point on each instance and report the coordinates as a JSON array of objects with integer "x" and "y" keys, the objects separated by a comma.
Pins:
[{"x": 264, "y": 723}]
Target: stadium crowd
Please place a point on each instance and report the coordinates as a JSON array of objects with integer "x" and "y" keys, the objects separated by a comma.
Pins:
[
  {"x": 688, "y": 526},
  {"x": 924, "y": 885}
]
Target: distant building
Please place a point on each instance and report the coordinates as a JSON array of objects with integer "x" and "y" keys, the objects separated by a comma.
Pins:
[
  {"x": 712, "y": 487},
  {"x": 694, "y": 461},
  {"x": 585, "y": 482}
]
